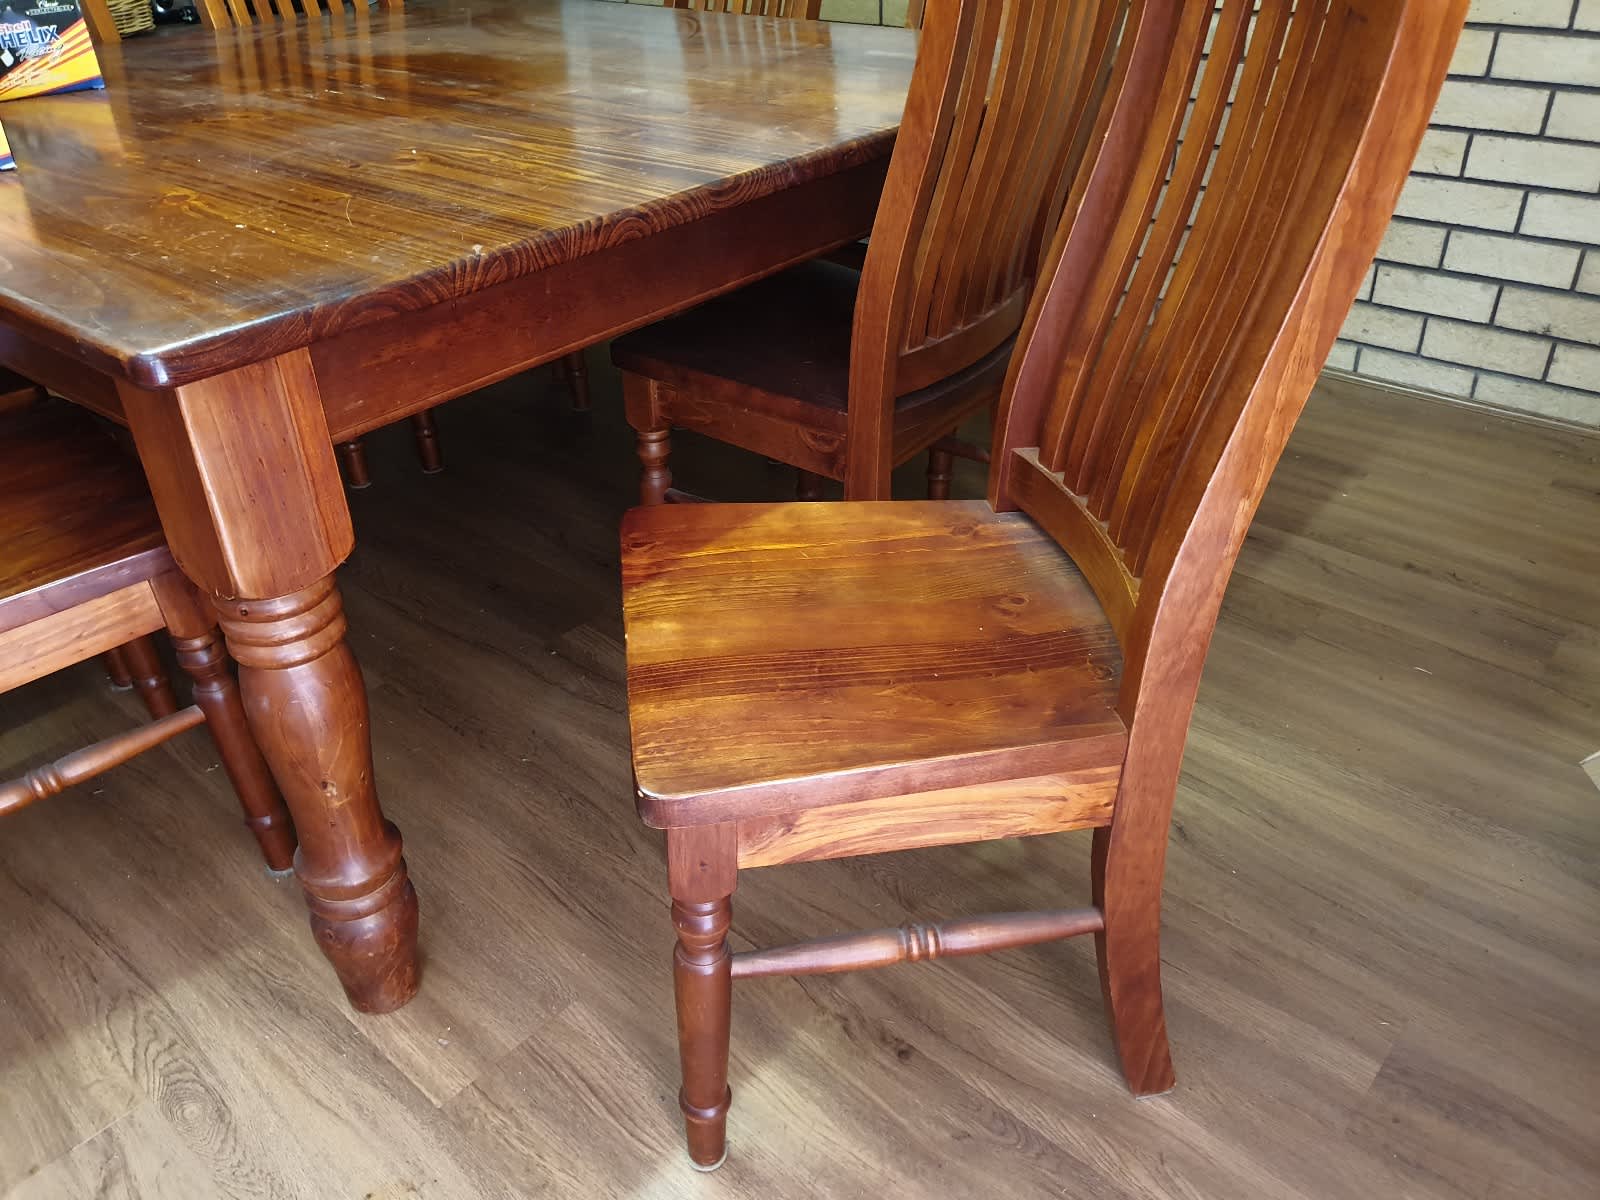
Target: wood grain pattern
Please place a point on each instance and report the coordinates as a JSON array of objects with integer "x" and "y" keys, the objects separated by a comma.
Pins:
[
  {"x": 243, "y": 474},
  {"x": 317, "y": 172},
  {"x": 762, "y": 635},
  {"x": 46, "y": 645},
  {"x": 977, "y": 813}
]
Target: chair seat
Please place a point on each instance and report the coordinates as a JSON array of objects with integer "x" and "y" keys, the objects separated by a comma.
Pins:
[
  {"x": 783, "y": 344},
  {"x": 76, "y": 518},
  {"x": 783, "y": 657},
  {"x": 785, "y": 336}
]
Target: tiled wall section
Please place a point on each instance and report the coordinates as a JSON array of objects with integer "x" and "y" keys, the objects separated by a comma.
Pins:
[{"x": 1488, "y": 283}]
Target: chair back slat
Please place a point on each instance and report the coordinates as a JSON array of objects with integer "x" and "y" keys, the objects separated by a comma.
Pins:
[
  {"x": 997, "y": 118},
  {"x": 219, "y": 14},
  {"x": 805, "y": 10},
  {"x": 1244, "y": 166}
]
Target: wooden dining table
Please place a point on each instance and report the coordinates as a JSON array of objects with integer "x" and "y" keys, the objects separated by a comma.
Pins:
[{"x": 258, "y": 242}]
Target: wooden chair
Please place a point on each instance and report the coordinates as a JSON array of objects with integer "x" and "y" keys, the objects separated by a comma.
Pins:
[
  {"x": 86, "y": 572},
  {"x": 845, "y": 373},
  {"x": 816, "y": 681}
]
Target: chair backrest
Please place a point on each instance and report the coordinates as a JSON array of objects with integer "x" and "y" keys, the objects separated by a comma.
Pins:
[
  {"x": 997, "y": 119},
  {"x": 1239, "y": 182},
  {"x": 806, "y": 10},
  {"x": 219, "y": 14}
]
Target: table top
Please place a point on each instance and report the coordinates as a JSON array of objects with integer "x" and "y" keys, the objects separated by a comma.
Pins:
[{"x": 268, "y": 187}]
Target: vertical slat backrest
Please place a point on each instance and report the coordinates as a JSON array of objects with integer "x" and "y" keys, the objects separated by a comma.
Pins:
[
  {"x": 806, "y": 10},
  {"x": 219, "y": 14},
  {"x": 1210, "y": 249},
  {"x": 996, "y": 120}
]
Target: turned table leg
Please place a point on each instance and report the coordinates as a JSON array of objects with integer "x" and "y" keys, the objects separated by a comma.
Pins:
[
  {"x": 242, "y": 469},
  {"x": 307, "y": 705}
]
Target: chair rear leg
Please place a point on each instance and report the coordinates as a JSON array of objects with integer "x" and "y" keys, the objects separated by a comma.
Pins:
[
  {"x": 1128, "y": 893},
  {"x": 198, "y": 642},
  {"x": 116, "y": 665},
  {"x": 149, "y": 677},
  {"x": 426, "y": 435},
  {"x": 702, "y": 864},
  {"x": 353, "y": 459}
]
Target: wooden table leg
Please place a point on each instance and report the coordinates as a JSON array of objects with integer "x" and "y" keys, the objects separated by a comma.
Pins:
[
  {"x": 307, "y": 706},
  {"x": 243, "y": 473}
]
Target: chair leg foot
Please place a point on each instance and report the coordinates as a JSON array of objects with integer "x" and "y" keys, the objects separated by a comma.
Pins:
[
  {"x": 1129, "y": 954},
  {"x": 941, "y": 468},
  {"x": 149, "y": 677},
  {"x": 707, "y": 1168},
  {"x": 426, "y": 435},
  {"x": 117, "y": 669},
  {"x": 656, "y": 480},
  {"x": 353, "y": 459},
  {"x": 702, "y": 972}
]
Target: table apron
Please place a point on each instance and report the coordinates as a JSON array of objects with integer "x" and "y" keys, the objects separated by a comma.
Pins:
[{"x": 379, "y": 373}]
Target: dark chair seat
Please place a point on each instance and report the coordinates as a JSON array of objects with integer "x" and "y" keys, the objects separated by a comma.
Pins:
[
  {"x": 875, "y": 649},
  {"x": 786, "y": 338},
  {"x": 781, "y": 348}
]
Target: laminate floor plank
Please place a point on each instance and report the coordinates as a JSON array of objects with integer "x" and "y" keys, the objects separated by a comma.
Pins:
[{"x": 1382, "y": 937}]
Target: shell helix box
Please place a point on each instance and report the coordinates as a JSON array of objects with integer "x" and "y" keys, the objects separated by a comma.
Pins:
[{"x": 44, "y": 48}]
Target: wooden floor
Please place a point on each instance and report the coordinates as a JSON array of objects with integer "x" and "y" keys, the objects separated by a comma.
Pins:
[{"x": 1383, "y": 902}]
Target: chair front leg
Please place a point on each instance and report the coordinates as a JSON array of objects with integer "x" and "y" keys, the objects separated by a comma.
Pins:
[
  {"x": 702, "y": 865},
  {"x": 642, "y": 400},
  {"x": 198, "y": 643}
]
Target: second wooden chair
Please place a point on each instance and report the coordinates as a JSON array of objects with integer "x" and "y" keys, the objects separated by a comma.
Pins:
[
  {"x": 845, "y": 374},
  {"x": 86, "y": 573}
]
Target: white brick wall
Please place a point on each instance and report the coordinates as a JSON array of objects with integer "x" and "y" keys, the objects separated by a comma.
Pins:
[{"x": 1494, "y": 257}]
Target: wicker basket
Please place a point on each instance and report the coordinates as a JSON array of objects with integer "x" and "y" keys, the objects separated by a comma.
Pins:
[{"x": 131, "y": 16}]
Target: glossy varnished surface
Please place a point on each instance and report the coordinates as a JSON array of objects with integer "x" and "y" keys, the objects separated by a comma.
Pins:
[
  {"x": 782, "y": 657},
  {"x": 1381, "y": 890},
  {"x": 238, "y": 193}
]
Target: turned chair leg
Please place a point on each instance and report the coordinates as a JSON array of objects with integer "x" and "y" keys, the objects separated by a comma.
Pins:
[
  {"x": 655, "y": 481},
  {"x": 808, "y": 486},
  {"x": 941, "y": 467},
  {"x": 575, "y": 370},
  {"x": 149, "y": 677},
  {"x": 353, "y": 458},
  {"x": 198, "y": 643},
  {"x": 116, "y": 665},
  {"x": 702, "y": 866},
  {"x": 1129, "y": 953},
  {"x": 426, "y": 435}
]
